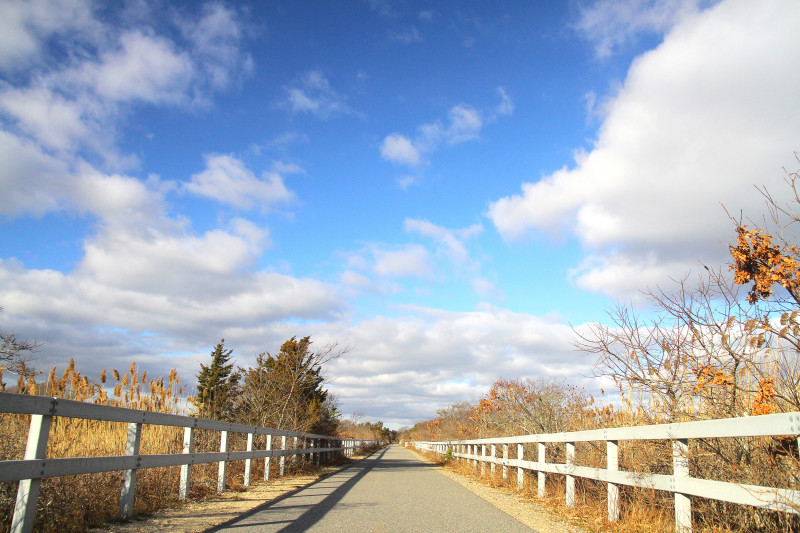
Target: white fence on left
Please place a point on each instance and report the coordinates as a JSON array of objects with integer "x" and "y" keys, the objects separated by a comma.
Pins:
[{"x": 35, "y": 466}]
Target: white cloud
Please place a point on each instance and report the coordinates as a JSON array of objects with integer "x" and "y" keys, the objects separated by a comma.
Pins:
[
  {"x": 32, "y": 182},
  {"x": 611, "y": 24},
  {"x": 428, "y": 359},
  {"x": 399, "y": 149},
  {"x": 227, "y": 180},
  {"x": 451, "y": 241},
  {"x": 464, "y": 124},
  {"x": 696, "y": 124},
  {"x": 408, "y": 261},
  {"x": 356, "y": 280},
  {"x": 54, "y": 121},
  {"x": 86, "y": 79},
  {"x": 216, "y": 37},
  {"x": 144, "y": 68},
  {"x": 505, "y": 106},
  {"x": 405, "y": 182},
  {"x": 451, "y": 244},
  {"x": 25, "y": 26},
  {"x": 313, "y": 94}
]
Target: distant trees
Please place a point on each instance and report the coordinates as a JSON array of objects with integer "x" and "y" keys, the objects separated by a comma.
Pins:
[
  {"x": 356, "y": 429},
  {"x": 530, "y": 405},
  {"x": 511, "y": 406}
]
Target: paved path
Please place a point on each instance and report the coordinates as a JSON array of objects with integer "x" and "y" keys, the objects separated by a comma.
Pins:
[{"x": 391, "y": 490}]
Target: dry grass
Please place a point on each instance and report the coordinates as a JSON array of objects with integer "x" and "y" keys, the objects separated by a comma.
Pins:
[
  {"x": 764, "y": 461},
  {"x": 76, "y": 503}
]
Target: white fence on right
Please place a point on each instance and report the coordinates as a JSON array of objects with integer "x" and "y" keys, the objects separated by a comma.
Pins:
[{"x": 680, "y": 482}]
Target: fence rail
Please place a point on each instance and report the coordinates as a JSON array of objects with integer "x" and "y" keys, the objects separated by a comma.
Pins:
[
  {"x": 680, "y": 483},
  {"x": 35, "y": 465}
]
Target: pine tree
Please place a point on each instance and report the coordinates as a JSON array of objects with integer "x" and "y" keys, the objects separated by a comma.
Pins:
[
  {"x": 286, "y": 390},
  {"x": 216, "y": 384}
]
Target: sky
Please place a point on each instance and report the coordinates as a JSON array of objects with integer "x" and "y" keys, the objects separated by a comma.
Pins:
[{"x": 445, "y": 189}]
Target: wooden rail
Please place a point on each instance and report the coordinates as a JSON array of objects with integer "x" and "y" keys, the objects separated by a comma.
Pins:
[
  {"x": 680, "y": 483},
  {"x": 35, "y": 466}
]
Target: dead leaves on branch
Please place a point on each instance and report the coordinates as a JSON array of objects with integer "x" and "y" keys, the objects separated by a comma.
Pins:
[{"x": 758, "y": 260}]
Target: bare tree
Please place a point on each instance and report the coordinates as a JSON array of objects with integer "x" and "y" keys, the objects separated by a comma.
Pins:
[
  {"x": 285, "y": 390},
  {"x": 16, "y": 353},
  {"x": 714, "y": 347}
]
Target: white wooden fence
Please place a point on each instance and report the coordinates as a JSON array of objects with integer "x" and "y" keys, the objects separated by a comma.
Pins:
[
  {"x": 35, "y": 466},
  {"x": 680, "y": 483}
]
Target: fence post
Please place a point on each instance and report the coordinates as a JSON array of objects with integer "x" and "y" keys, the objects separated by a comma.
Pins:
[
  {"x": 520, "y": 470},
  {"x": 680, "y": 468},
  {"x": 492, "y": 466},
  {"x": 474, "y": 454},
  {"x": 612, "y": 464},
  {"x": 282, "y": 462},
  {"x": 505, "y": 458},
  {"x": 570, "y": 496},
  {"x": 483, "y": 459},
  {"x": 541, "y": 478},
  {"x": 248, "y": 463},
  {"x": 223, "y": 465},
  {"x": 28, "y": 491},
  {"x": 188, "y": 442},
  {"x": 129, "y": 476},
  {"x": 268, "y": 459}
]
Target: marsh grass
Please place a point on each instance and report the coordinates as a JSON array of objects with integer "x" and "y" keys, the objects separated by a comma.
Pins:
[{"x": 76, "y": 503}]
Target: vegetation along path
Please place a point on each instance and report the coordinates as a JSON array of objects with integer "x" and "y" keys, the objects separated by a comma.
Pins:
[{"x": 392, "y": 490}]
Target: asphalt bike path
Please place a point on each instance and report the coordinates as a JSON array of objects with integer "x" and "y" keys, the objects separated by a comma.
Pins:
[{"x": 389, "y": 491}]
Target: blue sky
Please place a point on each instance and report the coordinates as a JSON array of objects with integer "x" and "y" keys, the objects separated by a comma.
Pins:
[{"x": 444, "y": 187}]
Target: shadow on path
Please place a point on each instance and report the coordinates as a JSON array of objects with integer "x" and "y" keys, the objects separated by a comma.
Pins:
[{"x": 316, "y": 509}]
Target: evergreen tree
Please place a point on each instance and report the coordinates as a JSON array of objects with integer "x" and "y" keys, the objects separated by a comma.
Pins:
[
  {"x": 286, "y": 390},
  {"x": 216, "y": 384}
]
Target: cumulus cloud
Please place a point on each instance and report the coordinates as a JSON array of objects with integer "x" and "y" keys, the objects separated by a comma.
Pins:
[
  {"x": 143, "y": 67},
  {"x": 399, "y": 149},
  {"x": 87, "y": 81},
  {"x": 227, "y": 180},
  {"x": 54, "y": 121},
  {"x": 406, "y": 368},
  {"x": 147, "y": 286},
  {"x": 698, "y": 121}
]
